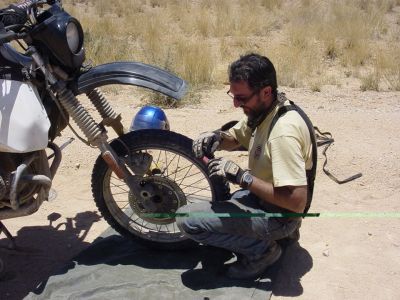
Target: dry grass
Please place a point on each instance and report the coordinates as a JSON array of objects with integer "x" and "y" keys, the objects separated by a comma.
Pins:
[
  {"x": 388, "y": 62},
  {"x": 197, "y": 39}
]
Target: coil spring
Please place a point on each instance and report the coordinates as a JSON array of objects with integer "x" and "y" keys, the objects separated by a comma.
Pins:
[
  {"x": 79, "y": 114},
  {"x": 101, "y": 104},
  {"x": 26, "y": 4}
]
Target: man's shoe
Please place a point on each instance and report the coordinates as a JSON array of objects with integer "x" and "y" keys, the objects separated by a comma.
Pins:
[
  {"x": 251, "y": 267},
  {"x": 290, "y": 239}
]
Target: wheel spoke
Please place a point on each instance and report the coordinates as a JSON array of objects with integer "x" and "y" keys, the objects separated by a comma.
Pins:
[
  {"x": 194, "y": 193},
  {"x": 141, "y": 226},
  {"x": 191, "y": 175},
  {"x": 195, "y": 190},
  {"x": 180, "y": 170},
  {"x": 122, "y": 201},
  {"x": 119, "y": 186},
  {"x": 116, "y": 178},
  {"x": 167, "y": 165},
  {"x": 176, "y": 169},
  {"x": 134, "y": 221},
  {"x": 185, "y": 185},
  {"x": 130, "y": 217},
  {"x": 121, "y": 193},
  {"x": 124, "y": 206},
  {"x": 166, "y": 226},
  {"x": 158, "y": 158},
  {"x": 185, "y": 174}
]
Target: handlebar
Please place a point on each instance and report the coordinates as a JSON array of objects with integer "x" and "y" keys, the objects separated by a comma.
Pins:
[
  {"x": 8, "y": 36},
  {"x": 30, "y": 3},
  {"x": 28, "y": 7}
]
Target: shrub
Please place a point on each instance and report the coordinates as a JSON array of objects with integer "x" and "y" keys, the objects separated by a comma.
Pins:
[{"x": 198, "y": 39}]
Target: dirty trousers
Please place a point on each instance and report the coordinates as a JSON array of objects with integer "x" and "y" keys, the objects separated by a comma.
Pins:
[{"x": 250, "y": 236}]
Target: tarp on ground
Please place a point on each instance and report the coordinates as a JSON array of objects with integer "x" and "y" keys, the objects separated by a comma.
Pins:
[{"x": 116, "y": 268}]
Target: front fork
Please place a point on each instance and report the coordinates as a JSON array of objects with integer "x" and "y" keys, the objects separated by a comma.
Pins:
[
  {"x": 93, "y": 132},
  {"x": 98, "y": 137}
]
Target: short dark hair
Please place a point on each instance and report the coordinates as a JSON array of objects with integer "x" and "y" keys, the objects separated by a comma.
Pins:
[{"x": 258, "y": 71}]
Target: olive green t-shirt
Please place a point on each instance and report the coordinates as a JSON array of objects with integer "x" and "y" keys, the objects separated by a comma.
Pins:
[{"x": 282, "y": 159}]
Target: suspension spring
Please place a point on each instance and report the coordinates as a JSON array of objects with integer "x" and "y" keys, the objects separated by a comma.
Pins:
[
  {"x": 79, "y": 114},
  {"x": 101, "y": 104},
  {"x": 26, "y": 4}
]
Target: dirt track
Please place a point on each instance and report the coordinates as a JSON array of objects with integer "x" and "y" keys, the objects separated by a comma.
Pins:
[{"x": 339, "y": 258}]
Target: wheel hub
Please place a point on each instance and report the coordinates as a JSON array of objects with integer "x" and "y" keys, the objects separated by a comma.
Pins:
[{"x": 159, "y": 199}]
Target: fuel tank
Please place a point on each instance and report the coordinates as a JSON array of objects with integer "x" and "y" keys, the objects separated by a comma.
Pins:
[{"x": 24, "y": 124}]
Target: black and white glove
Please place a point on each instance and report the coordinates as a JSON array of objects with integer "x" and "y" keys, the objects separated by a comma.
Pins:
[
  {"x": 206, "y": 144},
  {"x": 228, "y": 169}
]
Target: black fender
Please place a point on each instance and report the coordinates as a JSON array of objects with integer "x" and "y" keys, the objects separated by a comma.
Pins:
[{"x": 131, "y": 73}]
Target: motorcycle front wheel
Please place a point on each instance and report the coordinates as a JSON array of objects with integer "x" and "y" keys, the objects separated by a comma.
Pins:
[{"x": 170, "y": 174}]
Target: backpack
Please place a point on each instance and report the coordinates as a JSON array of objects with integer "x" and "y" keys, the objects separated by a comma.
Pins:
[
  {"x": 318, "y": 138},
  {"x": 309, "y": 173}
]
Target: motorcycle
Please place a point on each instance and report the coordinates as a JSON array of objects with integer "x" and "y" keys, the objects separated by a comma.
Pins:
[{"x": 140, "y": 178}]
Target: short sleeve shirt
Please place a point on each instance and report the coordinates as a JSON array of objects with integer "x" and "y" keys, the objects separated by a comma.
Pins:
[{"x": 283, "y": 158}]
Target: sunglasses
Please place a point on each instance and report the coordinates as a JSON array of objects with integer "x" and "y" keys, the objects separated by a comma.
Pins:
[{"x": 242, "y": 99}]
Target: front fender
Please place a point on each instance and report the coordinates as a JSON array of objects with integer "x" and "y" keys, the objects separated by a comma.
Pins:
[{"x": 132, "y": 73}]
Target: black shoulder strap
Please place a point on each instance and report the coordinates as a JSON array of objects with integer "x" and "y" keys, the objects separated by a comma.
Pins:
[
  {"x": 310, "y": 173},
  {"x": 326, "y": 139}
]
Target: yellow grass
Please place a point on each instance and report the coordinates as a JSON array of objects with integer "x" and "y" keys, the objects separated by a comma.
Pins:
[{"x": 197, "y": 39}]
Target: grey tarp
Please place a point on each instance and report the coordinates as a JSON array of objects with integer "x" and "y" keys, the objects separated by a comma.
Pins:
[{"x": 116, "y": 268}]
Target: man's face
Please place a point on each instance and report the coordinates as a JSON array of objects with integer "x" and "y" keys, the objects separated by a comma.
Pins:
[{"x": 251, "y": 101}]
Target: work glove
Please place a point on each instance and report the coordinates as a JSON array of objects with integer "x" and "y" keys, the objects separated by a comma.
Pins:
[
  {"x": 206, "y": 144},
  {"x": 220, "y": 167}
]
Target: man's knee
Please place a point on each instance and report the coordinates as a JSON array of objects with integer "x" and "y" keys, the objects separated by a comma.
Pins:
[
  {"x": 186, "y": 221},
  {"x": 182, "y": 216}
]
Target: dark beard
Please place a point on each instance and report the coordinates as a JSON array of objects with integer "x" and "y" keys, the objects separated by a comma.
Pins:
[{"x": 256, "y": 119}]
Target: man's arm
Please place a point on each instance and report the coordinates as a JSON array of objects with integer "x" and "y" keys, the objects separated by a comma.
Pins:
[
  {"x": 293, "y": 198},
  {"x": 208, "y": 142},
  {"x": 228, "y": 142}
]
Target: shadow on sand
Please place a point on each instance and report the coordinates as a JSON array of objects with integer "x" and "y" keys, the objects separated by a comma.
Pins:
[
  {"x": 120, "y": 267},
  {"x": 40, "y": 251}
]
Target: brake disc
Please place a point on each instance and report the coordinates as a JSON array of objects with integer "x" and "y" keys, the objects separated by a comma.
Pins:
[{"x": 160, "y": 198}]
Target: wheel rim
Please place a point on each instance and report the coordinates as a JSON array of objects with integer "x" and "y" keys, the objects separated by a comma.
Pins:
[{"x": 170, "y": 169}]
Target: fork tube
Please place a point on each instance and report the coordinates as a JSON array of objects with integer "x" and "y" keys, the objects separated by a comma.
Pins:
[{"x": 110, "y": 118}]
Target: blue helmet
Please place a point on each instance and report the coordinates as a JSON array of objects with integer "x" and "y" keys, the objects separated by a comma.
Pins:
[{"x": 150, "y": 117}]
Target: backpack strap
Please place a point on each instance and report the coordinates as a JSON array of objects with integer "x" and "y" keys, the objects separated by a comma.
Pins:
[
  {"x": 309, "y": 173},
  {"x": 326, "y": 139}
]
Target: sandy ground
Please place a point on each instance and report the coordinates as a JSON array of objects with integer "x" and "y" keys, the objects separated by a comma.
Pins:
[{"x": 355, "y": 257}]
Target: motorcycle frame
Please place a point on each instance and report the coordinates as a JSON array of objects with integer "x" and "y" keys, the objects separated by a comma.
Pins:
[{"x": 63, "y": 91}]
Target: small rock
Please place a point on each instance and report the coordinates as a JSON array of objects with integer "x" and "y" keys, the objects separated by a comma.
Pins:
[
  {"x": 326, "y": 253},
  {"x": 370, "y": 233},
  {"x": 77, "y": 166}
]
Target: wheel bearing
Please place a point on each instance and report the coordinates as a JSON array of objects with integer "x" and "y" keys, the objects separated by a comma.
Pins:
[{"x": 160, "y": 199}]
